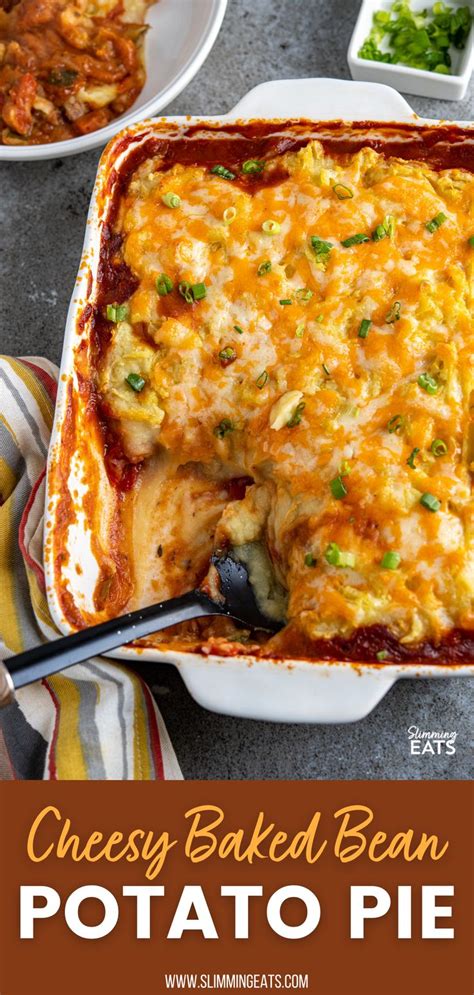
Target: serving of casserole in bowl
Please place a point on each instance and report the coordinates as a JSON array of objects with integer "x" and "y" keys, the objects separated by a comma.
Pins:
[
  {"x": 269, "y": 350},
  {"x": 73, "y": 72}
]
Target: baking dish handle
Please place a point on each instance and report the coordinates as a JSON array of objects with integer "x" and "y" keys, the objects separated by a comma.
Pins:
[
  {"x": 274, "y": 691},
  {"x": 323, "y": 100}
]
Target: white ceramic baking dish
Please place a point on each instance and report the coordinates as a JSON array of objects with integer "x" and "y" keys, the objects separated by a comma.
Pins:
[{"x": 289, "y": 691}]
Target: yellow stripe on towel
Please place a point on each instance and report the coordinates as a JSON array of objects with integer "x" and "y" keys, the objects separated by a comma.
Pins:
[
  {"x": 69, "y": 756},
  {"x": 11, "y": 630}
]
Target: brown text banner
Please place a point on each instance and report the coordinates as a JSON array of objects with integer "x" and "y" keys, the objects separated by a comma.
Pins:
[{"x": 326, "y": 887}]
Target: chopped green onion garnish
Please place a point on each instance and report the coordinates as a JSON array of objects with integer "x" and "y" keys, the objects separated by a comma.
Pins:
[
  {"x": 227, "y": 355},
  {"x": 428, "y": 383},
  {"x": 471, "y": 241},
  {"x": 394, "y": 314},
  {"x": 262, "y": 379},
  {"x": 326, "y": 370},
  {"x": 171, "y": 200},
  {"x": 430, "y": 502},
  {"x": 271, "y": 227},
  {"x": 253, "y": 166},
  {"x": 364, "y": 328},
  {"x": 320, "y": 318},
  {"x": 222, "y": 171},
  {"x": 385, "y": 230},
  {"x": 192, "y": 292},
  {"x": 135, "y": 381},
  {"x": 355, "y": 240},
  {"x": 345, "y": 468},
  {"x": 342, "y": 192},
  {"x": 224, "y": 427},
  {"x": 381, "y": 655},
  {"x": 238, "y": 329},
  {"x": 390, "y": 561},
  {"x": 332, "y": 554},
  {"x": 229, "y": 215},
  {"x": 411, "y": 458},
  {"x": 199, "y": 291},
  {"x": 396, "y": 424},
  {"x": 438, "y": 447},
  {"x": 285, "y": 302},
  {"x": 310, "y": 560},
  {"x": 185, "y": 290},
  {"x": 337, "y": 557},
  {"x": 117, "y": 312},
  {"x": 299, "y": 332},
  {"x": 320, "y": 247},
  {"x": 264, "y": 268},
  {"x": 164, "y": 284},
  {"x": 379, "y": 233},
  {"x": 338, "y": 489},
  {"x": 436, "y": 222},
  {"x": 304, "y": 294},
  {"x": 296, "y": 416}
]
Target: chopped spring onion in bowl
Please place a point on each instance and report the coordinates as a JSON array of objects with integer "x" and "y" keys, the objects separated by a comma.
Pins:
[{"x": 419, "y": 38}]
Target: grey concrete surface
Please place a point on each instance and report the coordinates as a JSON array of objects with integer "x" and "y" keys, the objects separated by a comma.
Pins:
[{"x": 42, "y": 217}]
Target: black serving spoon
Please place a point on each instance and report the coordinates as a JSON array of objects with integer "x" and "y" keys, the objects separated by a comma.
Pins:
[{"x": 238, "y": 603}]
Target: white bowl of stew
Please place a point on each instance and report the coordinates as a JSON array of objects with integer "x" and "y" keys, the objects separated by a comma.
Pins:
[{"x": 65, "y": 111}]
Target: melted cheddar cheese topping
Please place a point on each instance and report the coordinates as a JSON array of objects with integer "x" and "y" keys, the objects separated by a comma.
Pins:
[{"x": 339, "y": 377}]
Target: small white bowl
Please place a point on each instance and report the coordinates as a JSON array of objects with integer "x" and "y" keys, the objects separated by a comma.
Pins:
[
  {"x": 179, "y": 39},
  {"x": 404, "y": 78}
]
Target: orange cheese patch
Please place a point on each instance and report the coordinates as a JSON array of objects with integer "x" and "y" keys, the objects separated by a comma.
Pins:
[{"x": 315, "y": 334}]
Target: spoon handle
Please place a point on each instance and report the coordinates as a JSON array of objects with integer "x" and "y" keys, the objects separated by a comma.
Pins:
[{"x": 47, "y": 659}]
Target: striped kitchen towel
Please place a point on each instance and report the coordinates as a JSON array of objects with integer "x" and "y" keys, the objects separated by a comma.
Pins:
[{"x": 96, "y": 720}]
